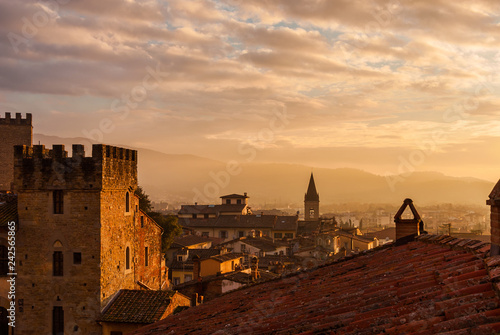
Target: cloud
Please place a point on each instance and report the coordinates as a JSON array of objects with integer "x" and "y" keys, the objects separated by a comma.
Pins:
[{"x": 378, "y": 74}]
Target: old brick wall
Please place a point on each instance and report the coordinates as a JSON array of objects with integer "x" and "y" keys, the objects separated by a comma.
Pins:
[
  {"x": 77, "y": 291},
  {"x": 117, "y": 233},
  {"x": 148, "y": 234},
  {"x": 13, "y": 131}
]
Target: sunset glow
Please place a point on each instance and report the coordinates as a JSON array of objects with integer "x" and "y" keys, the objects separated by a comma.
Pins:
[{"x": 362, "y": 84}]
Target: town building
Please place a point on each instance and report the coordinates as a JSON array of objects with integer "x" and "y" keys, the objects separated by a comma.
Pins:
[
  {"x": 13, "y": 131},
  {"x": 181, "y": 268},
  {"x": 233, "y": 219},
  {"x": 189, "y": 241},
  {"x": 232, "y": 204},
  {"x": 81, "y": 237},
  {"x": 259, "y": 246}
]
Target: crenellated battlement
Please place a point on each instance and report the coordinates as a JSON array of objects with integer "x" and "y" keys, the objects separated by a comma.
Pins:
[
  {"x": 18, "y": 120},
  {"x": 108, "y": 167}
]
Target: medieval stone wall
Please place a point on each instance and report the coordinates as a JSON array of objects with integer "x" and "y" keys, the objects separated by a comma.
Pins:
[
  {"x": 149, "y": 235},
  {"x": 13, "y": 131},
  {"x": 40, "y": 234}
]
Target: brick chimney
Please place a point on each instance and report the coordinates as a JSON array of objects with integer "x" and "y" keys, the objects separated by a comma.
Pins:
[
  {"x": 196, "y": 267},
  {"x": 494, "y": 203},
  {"x": 255, "y": 268},
  {"x": 407, "y": 229}
]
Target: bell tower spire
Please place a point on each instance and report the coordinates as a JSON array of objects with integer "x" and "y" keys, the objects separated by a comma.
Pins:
[{"x": 311, "y": 202}]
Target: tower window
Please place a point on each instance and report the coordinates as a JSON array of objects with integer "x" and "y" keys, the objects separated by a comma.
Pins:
[
  {"x": 58, "y": 321},
  {"x": 228, "y": 201},
  {"x": 142, "y": 221},
  {"x": 77, "y": 258},
  {"x": 127, "y": 202},
  {"x": 146, "y": 258},
  {"x": 127, "y": 258},
  {"x": 58, "y": 263},
  {"x": 58, "y": 200}
]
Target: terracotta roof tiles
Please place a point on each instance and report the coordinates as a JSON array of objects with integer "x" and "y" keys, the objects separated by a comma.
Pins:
[
  {"x": 8, "y": 209},
  {"x": 424, "y": 287},
  {"x": 137, "y": 306}
]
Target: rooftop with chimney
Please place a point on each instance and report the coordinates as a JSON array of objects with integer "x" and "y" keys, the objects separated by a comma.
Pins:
[
  {"x": 422, "y": 284},
  {"x": 432, "y": 285}
]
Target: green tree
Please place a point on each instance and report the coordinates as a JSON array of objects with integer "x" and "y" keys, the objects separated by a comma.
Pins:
[
  {"x": 144, "y": 202},
  {"x": 171, "y": 228},
  {"x": 169, "y": 223}
]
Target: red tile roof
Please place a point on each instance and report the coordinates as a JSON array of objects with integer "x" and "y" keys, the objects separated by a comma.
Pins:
[
  {"x": 425, "y": 287},
  {"x": 8, "y": 209},
  {"x": 189, "y": 240},
  {"x": 137, "y": 306}
]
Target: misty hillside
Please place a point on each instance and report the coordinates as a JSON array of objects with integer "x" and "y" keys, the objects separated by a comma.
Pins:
[{"x": 178, "y": 178}]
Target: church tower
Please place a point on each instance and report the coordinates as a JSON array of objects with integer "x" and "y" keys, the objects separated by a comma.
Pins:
[{"x": 311, "y": 202}]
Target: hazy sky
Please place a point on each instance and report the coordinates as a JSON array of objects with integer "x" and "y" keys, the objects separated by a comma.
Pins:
[{"x": 385, "y": 86}]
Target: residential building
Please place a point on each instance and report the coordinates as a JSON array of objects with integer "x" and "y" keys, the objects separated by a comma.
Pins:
[
  {"x": 257, "y": 246},
  {"x": 189, "y": 241},
  {"x": 228, "y": 227},
  {"x": 181, "y": 268},
  {"x": 220, "y": 264},
  {"x": 232, "y": 204}
]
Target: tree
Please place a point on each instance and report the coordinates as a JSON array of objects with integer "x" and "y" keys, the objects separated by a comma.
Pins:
[
  {"x": 171, "y": 228},
  {"x": 169, "y": 223},
  {"x": 144, "y": 202}
]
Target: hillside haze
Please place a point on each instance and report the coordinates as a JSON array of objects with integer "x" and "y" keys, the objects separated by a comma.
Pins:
[{"x": 189, "y": 178}]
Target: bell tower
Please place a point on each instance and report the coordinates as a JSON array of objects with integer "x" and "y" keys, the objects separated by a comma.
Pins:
[{"x": 311, "y": 202}]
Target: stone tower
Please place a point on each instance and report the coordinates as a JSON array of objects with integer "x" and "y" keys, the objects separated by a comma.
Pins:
[
  {"x": 75, "y": 243},
  {"x": 16, "y": 131},
  {"x": 311, "y": 202}
]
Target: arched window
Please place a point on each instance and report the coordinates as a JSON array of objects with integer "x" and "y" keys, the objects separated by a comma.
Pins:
[
  {"x": 127, "y": 258},
  {"x": 57, "y": 259},
  {"x": 127, "y": 202}
]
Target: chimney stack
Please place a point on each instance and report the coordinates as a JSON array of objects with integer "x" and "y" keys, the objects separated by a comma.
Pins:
[
  {"x": 196, "y": 267},
  {"x": 194, "y": 300},
  {"x": 255, "y": 268},
  {"x": 407, "y": 229},
  {"x": 494, "y": 203}
]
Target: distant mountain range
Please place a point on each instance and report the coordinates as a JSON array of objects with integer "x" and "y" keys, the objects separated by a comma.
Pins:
[{"x": 189, "y": 178}]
